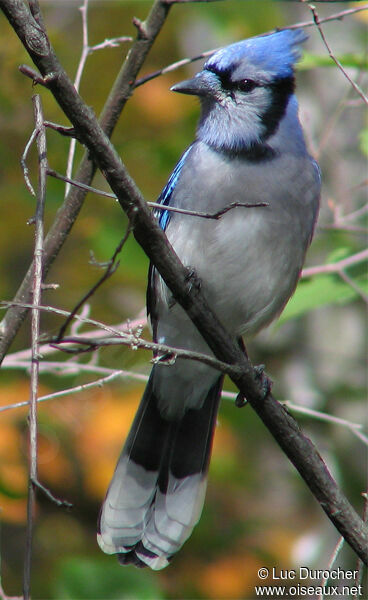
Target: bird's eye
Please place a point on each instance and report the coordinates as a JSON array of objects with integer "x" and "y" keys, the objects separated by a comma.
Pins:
[{"x": 246, "y": 85}]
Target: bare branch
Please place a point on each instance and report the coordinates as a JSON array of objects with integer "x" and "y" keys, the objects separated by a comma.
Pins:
[
  {"x": 71, "y": 368},
  {"x": 337, "y": 266},
  {"x": 111, "y": 43},
  {"x": 353, "y": 285},
  {"x": 126, "y": 339},
  {"x": 86, "y": 51},
  {"x": 112, "y": 265},
  {"x": 23, "y": 162},
  {"x": 331, "y": 54},
  {"x": 331, "y": 562},
  {"x": 193, "y": 213},
  {"x": 45, "y": 349},
  {"x": 79, "y": 388},
  {"x": 32, "y": 74},
  {"x": 356, "y": 213},
  {"x": 68, "y": 212},
  {"x": 186, "y": 61},
  {"x": 166, "y": 354},
  {"x": 355, "y": 428},
  {"x": 185, "y": 287},
  {"x": 51, "y": 496},
  {"x": 82, "y": 61},
  {"x": 35, "y": 332},
  {"x": 64, "y": 313}
]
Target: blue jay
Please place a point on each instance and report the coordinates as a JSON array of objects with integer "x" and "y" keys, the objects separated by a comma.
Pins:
[{"x": 249, "y": 148}]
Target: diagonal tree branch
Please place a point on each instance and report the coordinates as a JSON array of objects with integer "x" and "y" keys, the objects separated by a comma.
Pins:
[
  {"x": 184, "y": 286},
  {"x": 68, "y": 212}
]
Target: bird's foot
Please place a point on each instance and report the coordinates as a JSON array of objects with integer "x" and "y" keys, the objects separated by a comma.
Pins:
[
  {"x": 192, "y": 278},
  {"x": 266, "y": 386},
  {"x": 167, "y": 359},
  {"x": 264, "y": 380},
  {"x": 240, "y": 400}
]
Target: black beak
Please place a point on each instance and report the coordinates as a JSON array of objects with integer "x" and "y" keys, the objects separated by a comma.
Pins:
[{"x": 200, "y": 85}]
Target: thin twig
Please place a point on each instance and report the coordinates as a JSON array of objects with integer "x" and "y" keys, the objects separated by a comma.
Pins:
[
  {"x": 111, "y": 43},
  {"x": 186, "y": 61},
  {"x": 356, "y": 214},
  {"x": 317, "y": 21},
  {"x": 126, "y": 339},
  {"x": 173, "y": 67},
  {"x": 331, "y": 562},
  {"x": 363, "y": 438},
  {"x": 49, "y": 495},
  {"x": 167, "y": 355},
  {"x": 45, "y": 349},
  {"x": 336, "y": 267},
  {"x": 112, "y": 265},
  {"x": 355, "y": 428},
  {"x": 322, "y": 416},
  {"x": 156, "y": 205},
  {"x": 63, "y": 313},
  {"x": 185, "y": 290},
  {"x": 345, "y": 277},
  {"x": 72, "y": 368},
  {"x": 79, "y": 388},
  {"x": 82, "y": 62},
  {"x": 23, "y": 161},
  {"x": 86, "y": 51},
  {"x": 35, "y": 332},
  {"x": 68, "y": 212}
]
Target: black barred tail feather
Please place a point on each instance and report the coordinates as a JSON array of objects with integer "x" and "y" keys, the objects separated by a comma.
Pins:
[{"x": 157, "y": 492}]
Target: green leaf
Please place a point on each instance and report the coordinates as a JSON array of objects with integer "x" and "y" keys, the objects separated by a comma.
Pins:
[
  {"x": 94, "y": 579},
  {"x": 321, "y": 290}
]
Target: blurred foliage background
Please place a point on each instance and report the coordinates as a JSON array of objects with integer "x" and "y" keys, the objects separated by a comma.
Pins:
[{"x": 258, "y": 512}]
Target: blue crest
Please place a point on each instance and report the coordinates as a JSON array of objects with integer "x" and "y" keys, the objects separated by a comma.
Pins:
[{"x": 271, "y": 55}]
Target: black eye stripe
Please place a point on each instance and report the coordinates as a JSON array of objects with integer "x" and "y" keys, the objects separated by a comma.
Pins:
[{"x": 243, "y": 85}]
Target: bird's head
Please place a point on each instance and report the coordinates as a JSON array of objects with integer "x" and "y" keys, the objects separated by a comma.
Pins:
[{"x": 244, "y": 90}]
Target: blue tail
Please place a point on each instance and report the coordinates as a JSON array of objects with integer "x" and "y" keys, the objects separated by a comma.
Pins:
[{"x": 157, "y": 492}]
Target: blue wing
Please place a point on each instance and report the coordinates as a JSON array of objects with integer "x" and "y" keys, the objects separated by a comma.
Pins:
[
  {"x": 163, "y": 219},
  {"x": 165, "y": 196}
]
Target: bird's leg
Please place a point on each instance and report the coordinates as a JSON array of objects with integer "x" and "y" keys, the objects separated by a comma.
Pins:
[{"x": 192, "y": 279}]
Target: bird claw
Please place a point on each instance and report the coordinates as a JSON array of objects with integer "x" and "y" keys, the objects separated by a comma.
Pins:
[
  {"x": 167, "y": 359},
  {"x": 266, "y": 382},
  {"x": 192, "y": 278},
  {"x": 192, "y": 281},
  {"x": 240, "y": 400}
]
